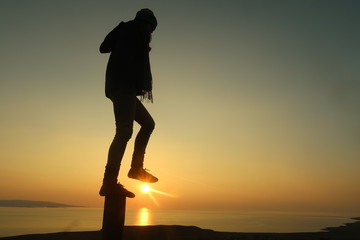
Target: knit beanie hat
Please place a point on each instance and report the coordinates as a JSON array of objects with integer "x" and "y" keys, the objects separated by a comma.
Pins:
[{"x": 148, "y": 16}]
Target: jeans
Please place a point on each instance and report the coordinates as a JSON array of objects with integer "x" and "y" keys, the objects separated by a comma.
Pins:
[{"x": 128, "y": 108}]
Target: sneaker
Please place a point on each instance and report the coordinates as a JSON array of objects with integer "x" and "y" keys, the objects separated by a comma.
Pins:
[
  {"x": 142, "y": 175},
  {"x": 115, "y": 189}
]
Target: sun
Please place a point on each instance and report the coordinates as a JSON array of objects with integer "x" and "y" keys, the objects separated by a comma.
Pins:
[{"x": 145, "y": 189}]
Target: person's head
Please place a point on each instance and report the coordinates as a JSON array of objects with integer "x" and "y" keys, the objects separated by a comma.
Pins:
[{"x": 148, "y": 17}]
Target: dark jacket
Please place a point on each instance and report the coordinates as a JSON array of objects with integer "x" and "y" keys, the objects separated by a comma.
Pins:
[{"x": 128, "y": 68}]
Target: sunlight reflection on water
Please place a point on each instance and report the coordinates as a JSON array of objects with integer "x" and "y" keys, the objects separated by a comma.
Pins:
[
  {"x": 143, "y": 218},
  {"x": 17, "y": 221}
]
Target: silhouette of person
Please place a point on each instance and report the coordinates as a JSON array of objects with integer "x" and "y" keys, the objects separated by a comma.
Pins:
[{"x": 128, "y": 75}]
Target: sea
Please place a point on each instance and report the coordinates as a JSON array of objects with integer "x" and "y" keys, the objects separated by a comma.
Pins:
[{"x": 20, "y": 221}]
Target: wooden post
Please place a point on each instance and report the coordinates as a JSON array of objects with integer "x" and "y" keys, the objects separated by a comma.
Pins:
[{"x": 114, "y": 217}]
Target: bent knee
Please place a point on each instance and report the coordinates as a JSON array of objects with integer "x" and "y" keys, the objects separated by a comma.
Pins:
[
  {"x": 152, "y": 125},
  {"x": 149, "y": 126}
]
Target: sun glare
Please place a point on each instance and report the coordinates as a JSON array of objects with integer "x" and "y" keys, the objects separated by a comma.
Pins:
[
  {"x": 151, "y": 192},
  {"x": 145, "y": 189}
]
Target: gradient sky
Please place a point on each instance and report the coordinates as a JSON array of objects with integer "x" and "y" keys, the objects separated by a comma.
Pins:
[{"x": 256, "y": 103}]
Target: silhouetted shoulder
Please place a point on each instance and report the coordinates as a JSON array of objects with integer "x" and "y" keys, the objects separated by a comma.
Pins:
[
  {"x": 125, "y": 35},
  {"x": 109, "y": 42}
]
